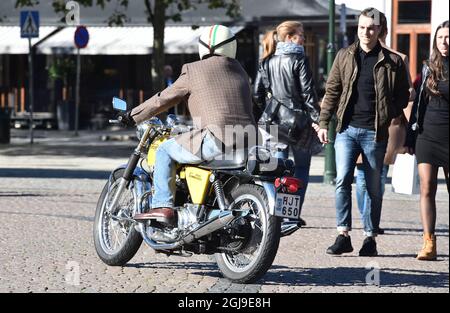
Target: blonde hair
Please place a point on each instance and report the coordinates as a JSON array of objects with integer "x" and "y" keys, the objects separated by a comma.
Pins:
[{"x": 271, "y": 37}]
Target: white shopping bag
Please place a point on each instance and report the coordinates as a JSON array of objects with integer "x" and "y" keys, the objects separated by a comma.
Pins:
[{"x": 405, "y": 178}]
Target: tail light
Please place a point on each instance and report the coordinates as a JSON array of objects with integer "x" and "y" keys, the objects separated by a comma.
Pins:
[{"x": 289, "y": 184}]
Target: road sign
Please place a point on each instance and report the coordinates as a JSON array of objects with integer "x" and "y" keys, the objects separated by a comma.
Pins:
[
  {"x": 81, "y": 37},
  {"x": 29, "y": 24},
  {"x": 29, "y": 28}
]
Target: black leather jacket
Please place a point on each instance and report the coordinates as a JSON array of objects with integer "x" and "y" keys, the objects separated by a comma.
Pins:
[
  {"x": 418, "y": 110},
  {"x": 291, "y": 83}
]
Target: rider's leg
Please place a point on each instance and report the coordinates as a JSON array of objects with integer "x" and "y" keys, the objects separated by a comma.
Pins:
[
  {"x": 165, "y": 170},
  {"x": 167, "y": 156}
]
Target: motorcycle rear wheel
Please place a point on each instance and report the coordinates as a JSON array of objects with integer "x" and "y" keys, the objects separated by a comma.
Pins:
[
  {"x": 252, "y": 262},
  {"x": 108, "y": 231}
]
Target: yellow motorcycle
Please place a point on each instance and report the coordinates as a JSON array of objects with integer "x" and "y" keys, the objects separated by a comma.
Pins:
[{"x": 230, "y": 208}]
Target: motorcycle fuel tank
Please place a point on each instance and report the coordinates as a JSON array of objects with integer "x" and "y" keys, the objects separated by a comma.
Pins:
[{"x": 151, "y": 156}]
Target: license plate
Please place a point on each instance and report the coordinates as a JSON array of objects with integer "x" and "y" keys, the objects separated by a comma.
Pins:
[{"x": 287, "y": 205}]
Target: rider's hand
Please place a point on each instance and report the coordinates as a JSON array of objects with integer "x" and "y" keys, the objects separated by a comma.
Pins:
[
  {"x": 323, "y": 135},
  {"x": 125, "y": 118}
]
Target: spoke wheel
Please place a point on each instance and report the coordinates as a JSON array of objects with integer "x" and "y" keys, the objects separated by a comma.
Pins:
[
  {"x": 248, "y": 255},
  {"x": 115, "y": 238},
  {"x": 253, "y": 260},
  {"x": 113, "y": 229}
]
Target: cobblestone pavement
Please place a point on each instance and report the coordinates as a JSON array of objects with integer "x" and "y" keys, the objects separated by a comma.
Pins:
[{"x": 47, "y": 206}]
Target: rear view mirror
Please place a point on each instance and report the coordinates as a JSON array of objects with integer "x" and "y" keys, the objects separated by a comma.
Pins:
[{"x": 119, "y": 104}]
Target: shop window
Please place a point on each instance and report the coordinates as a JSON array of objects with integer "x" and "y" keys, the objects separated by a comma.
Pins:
[
  {"x": 414, "y": 12},
  {"x": 403, "y": 42},
  {"x": 423, "y": 49}
]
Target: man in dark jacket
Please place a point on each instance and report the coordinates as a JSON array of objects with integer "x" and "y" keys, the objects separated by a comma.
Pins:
[{"x": 367, "y": 88}]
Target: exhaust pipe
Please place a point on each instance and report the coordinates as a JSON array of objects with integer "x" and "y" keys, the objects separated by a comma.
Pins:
[
  {"x": 289, "y": 229},
  {"x": 211, "y": 225},
  {"x": 206, "y": 228},
  {"x": 155, "y": 245}
]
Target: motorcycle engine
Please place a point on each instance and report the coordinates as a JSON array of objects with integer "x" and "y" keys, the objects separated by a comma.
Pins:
[
  {"x": 187, "y": 216},
  {"x": 187, "y": 221}
]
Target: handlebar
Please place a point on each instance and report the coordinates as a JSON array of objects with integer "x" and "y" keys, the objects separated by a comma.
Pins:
[{"x": 114, "y": 121}]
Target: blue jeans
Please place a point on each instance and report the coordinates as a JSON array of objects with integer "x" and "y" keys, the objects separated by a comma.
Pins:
[
  {"x": 302, "y": 162},
  {"x": 348, "y": 145},
  {"x": 362, "y": 196},
  {"x": 168, "y": 155}
]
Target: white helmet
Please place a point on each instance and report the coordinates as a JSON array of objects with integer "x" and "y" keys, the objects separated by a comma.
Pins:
[{"x": 217, "y": 40}]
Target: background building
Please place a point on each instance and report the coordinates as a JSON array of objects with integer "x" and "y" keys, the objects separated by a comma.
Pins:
[{"x": 117, "y": 59}]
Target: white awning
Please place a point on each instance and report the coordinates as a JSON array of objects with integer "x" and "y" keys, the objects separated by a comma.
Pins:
[
  {"x": 111, "y": 41},
  {"x": 11, "y": 43}
]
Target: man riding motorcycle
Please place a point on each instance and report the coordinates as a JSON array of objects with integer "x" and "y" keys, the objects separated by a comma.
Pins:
[{"x": 218, "y": 94}]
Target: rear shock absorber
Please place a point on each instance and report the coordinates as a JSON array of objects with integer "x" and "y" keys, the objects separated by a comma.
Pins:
[{"x": 220, "y": 195}]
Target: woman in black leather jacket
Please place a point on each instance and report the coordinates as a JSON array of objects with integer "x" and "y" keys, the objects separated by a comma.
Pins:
[
  {"x": 428, "y": 135},
  {"x": 291, "y": 83}
]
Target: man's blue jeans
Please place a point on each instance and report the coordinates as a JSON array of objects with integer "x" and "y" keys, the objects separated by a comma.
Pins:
[
  {"x": 362, "y": 197},
  {"x": 168, "y": 155},
  {"x": 302, "y": 162},
  {"x": 348, "y": 145}
]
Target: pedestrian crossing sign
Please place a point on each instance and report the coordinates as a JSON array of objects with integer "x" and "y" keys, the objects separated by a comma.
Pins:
[{"x": 29, "y": 24}]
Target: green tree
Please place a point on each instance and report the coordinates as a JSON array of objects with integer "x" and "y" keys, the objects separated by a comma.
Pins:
[{"x": 157, "y": 15}]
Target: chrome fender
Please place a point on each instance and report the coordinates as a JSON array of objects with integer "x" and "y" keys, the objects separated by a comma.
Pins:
[{"x": 269, "y": 188}]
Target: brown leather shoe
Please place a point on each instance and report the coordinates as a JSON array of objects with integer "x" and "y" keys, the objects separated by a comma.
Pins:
[{"x": 162, "y": 215}]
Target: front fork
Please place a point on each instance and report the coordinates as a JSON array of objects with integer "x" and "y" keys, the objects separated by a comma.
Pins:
[
  {"x": 124, "y": 181},
  {"x": 129, "y": 171}
]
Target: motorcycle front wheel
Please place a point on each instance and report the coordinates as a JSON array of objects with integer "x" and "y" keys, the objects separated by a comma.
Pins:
[
  {"x": 252, "y": 261},
  {"x": 116, "y": 240}
]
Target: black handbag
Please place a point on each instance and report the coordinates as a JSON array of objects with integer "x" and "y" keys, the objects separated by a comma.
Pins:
[{"x": 291, "y": 122}]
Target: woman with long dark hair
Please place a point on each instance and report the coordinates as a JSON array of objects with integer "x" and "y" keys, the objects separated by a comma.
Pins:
[
  {"x": 286, "y": 67},
  {"x": 429, "y": 124}
]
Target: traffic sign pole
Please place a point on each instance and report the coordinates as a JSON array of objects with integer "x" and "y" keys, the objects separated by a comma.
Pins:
[
  {"x": 29, "y": 28},
  {"x": 77, "y": 92},
  {"x": 30, "y": 87},
  {"x": 330, "y": 155},
  {"x": 81, "y": 38}
]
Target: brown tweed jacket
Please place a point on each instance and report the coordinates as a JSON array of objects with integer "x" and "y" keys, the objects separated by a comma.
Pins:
[{"x": 217, "y": 92}]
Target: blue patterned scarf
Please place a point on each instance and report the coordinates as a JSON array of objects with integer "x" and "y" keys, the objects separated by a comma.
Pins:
[{"x": 289, "y": 48}]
